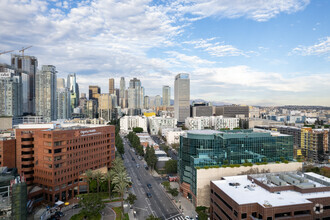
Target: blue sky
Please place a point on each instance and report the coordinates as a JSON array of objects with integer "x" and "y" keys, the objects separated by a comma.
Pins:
[{"x": 256, "y": 52}]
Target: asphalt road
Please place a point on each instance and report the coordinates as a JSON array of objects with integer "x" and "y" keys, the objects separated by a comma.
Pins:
[
  {"x": 159, "y": 142},
  {"x": 159, "y": 204}
]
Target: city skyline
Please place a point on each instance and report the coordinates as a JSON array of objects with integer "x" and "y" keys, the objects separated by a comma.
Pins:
[{"x": 256, "y": 52}]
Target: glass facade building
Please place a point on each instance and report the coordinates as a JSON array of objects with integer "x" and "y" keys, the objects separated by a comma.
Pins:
[{"x": 204, "y": 148}]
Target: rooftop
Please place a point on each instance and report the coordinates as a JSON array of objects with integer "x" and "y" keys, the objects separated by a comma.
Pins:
[{"x": 244, "y": 191}]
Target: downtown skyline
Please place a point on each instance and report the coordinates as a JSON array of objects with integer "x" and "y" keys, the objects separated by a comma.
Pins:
[{"x": 256, "y": 52}]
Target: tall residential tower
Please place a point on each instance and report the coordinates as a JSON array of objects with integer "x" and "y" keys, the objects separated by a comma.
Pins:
[
  {"x": 182, "y": 97},
  {"x": 166, "y": 96}
]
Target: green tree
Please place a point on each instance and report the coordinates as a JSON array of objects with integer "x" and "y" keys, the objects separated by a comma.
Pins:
[
  {"x": 138, "y": 130},
  {"x": 150, "y": 157},
  {"x": 89, "y": 177},
  {"x": 121, "y": 183},
  {"x": 108, "y": 177},
  {"x": 91, "y": 205},
  {"x": 166, "y": 184},
  {"x": 131, "y": 198},
  {"x": 171, "y": 166},
  {"x": 98, "y": 176},
  {"x": 174, "y": 191}
]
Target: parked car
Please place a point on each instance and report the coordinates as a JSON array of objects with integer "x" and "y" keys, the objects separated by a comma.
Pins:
[
  {"x": 137, "y": 165},
  {"x": 148, "y": 195},
  {"x": 76, "y": 206},
  {"x": 149, "y": 186}
]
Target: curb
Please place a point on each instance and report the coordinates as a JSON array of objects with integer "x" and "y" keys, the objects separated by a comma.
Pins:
[{"x": 170, "y": 198}]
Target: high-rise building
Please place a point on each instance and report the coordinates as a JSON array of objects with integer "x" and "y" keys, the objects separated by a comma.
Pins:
[
  {"x": 117, "y": 93},
  {"x": 27, "y": 65},
  {"x": 122, "y": 101},
  {"x": 182, "y": 97},
  {"x": 135, "y": 94},
  {"x": 158, "y": 101},
  {"x": 46, "y": 103},
  {"x": 146, "y": 102},
  {"x": 166, "y": 96},
  {"x": 63, "y": 100},
  {"x": 91, "y": 109},
  {"x": 112, "y": 86},
  {"x": 94, "y": 92},
  {"x": 107, "y": 106},
  {"x": 10, "y": 92},
  {"x": 74, "y": 90}
]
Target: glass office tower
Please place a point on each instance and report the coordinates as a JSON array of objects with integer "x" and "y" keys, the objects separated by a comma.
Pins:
[{"x": 205, "y": 148}]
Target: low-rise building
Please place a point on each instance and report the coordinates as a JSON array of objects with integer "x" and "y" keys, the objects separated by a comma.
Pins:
[
  {"x": 271, "y": 196},
  {"x": 212, "y": 122},
  {"x": 155, "y": 124},
  {"x": 127, "y": 123},
  {"x": 173, "y": 137}
]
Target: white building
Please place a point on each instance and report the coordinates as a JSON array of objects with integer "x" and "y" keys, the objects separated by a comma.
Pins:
[
  {"x": 10, "y": 93},
  {"x": 198, "y": 123},
  {"x": 164, "y": 131},
  {"x": 46, "y": 100},
  {"x": 212, "y": 122},
  {"x": 127, "y": 123},
  {"x": 158, "y": 123},
  {"x": 173, "y": 137},
  {"x": 221, "y": 122}
]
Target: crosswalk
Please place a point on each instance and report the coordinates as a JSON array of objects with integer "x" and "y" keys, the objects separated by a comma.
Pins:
[{"x": 177, "y": 218}]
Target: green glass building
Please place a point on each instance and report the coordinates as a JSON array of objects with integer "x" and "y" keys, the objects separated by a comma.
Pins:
[{"x": 204, "y": 148}]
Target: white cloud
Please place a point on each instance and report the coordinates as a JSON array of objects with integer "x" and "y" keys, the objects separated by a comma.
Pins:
[
  {"x": 191, "y": 61},
  {"x": 258, "y": 10},
  {"x": 218, "y": 49},
  {"x": 321, "y": 48}
]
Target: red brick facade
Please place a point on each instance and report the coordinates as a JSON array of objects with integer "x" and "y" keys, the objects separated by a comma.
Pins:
[
  {"x": 53, "y": 159},
  {"x": 7, "y": 152}
]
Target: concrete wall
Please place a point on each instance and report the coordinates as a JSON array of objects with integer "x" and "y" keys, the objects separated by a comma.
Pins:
[
  {"x": 6, "y": 123},
  {"x": 204, "y": 176}
]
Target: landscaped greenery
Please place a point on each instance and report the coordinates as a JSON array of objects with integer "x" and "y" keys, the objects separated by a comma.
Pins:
[
  {"x": 91, "y": 205},
  {"x": 119, "y": 215},
  {"x": 322, "y": 171},
  {"x": 171, "y": 166}
]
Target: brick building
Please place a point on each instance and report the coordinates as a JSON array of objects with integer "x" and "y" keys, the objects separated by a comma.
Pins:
[
  {"x": 54, "y": 156},
  {"x": 7, "y": 151},
  {"x": 271, "y": 196}
]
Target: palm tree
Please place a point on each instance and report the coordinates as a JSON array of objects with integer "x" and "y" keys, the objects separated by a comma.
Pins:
[
  {"x": 89, "y": 176},
  {"x": 98, "y": 176},
  {"x": 121, "y": 182},
  {"x": 108, "y": 177}
]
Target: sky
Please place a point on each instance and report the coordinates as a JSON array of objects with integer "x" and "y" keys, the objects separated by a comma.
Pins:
[{"x": 254, "y": 52}]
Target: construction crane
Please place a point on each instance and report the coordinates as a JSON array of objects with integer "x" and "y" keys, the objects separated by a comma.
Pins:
[
  {"x": 23, "y": 49},
  {"x": 6, "y": 52}
]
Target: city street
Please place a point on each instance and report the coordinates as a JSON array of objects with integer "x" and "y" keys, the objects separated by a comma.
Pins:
[
  {"x": 159, "y": 204},
  {"x": 170, "y": 151}
]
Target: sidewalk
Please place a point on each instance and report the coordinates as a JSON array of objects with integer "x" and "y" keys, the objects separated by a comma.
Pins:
[{"x": 185, "y": 206}]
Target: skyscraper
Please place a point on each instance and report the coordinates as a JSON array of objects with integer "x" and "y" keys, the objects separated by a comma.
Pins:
[
  {"x": 158, "y": 101},
  {"x": 182, "y": 97},
  {"x": 10, "y": 92},
  {"x": 166, "y": 96},
  {"x": 122, "y": 102},
  {"x": 135, "y": 94},
  {"x": 74, "y": 90},
  {"x": 63, "y": 100},
  {"x": 27, "y": 65},
  {"x": 112, "y": 86},
  {"x": 146, "y": 102},
  {"x": 94, "y": 92},
  {"x": 46, "y": 104}
]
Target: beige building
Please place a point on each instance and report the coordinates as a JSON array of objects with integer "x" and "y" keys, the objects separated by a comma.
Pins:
[
  {"x": 94, "y": 92},
  {"x": 112, "y": 86}
]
